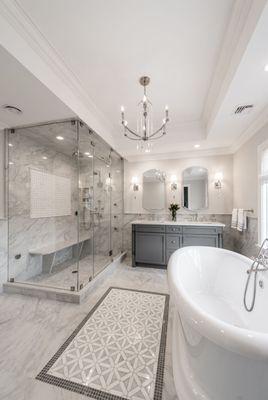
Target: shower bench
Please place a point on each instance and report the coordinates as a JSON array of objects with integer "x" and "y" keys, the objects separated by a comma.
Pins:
[{"x": 49, "y": 253}]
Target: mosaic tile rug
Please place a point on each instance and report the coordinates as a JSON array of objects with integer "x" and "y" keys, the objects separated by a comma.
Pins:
[{"x": 118, "y": 351}]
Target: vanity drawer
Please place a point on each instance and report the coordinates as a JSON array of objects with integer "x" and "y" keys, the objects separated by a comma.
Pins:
[
  {"x": 200, "y": 240},
  {"x": 173, "y": 241},
  {"x": 173, "y": 229},
  {"x": 201, "y": 230},
  {"x": 150, "y": 228}
]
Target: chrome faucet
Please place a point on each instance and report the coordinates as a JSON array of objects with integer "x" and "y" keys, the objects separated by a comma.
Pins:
[
  {"x": 259, "y": 264},
  {"x": 261, "y": 259}
]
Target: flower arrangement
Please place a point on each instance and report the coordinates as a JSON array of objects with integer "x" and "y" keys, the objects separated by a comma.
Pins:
[{"x": 173, "y": 208}]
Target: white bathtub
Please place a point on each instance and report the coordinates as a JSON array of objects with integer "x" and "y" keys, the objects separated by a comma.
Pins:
[{"x": 220, "y": 351}]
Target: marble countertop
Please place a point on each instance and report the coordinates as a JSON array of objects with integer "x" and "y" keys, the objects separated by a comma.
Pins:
[{"x": 181, "y": 223}]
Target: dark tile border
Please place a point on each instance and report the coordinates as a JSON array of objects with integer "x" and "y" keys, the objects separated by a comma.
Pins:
[{"x": 99, "y": 394}]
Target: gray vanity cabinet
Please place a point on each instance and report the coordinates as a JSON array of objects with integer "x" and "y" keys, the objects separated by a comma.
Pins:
[
  {"x": 152, "y": 245},
  {"x": 202, "y": 236},
  {"x": 149, "y": 245}
]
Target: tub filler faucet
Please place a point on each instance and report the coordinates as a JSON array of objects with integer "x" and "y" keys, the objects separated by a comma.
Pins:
[{"x": 259, "y": 264}]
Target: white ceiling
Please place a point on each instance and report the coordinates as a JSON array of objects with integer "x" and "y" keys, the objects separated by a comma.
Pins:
[
  {"x": 249, "y": 86},
  {"x": 203, "y": 57},
  {"x": 21, "y": 89}
]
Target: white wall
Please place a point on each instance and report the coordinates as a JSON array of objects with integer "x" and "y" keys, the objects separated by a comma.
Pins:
[
  {"x": 246, "y": 172},
  {"x": 220, "y": 202}
]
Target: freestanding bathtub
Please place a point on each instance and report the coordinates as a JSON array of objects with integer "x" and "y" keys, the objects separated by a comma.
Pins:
[{"x": 220, "y": 351}]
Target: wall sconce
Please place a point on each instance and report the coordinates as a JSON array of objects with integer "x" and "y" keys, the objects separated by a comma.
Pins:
[
  {"x": 218, "y": 180},
  {"x": 174, "y": 185},
  {"x": 134, "y": 182}
]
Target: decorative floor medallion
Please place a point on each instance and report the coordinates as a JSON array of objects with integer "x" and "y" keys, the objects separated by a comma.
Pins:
[{"x": 118, "y": 351}]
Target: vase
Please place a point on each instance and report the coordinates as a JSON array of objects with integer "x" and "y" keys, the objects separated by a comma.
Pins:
[{"x": 174, "y": 216}]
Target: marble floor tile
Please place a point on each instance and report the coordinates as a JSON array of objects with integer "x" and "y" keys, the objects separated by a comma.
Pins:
[{"x": 33, "y": 329}]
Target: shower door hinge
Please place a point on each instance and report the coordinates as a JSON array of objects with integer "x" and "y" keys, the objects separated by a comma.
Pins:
[
  {"x": 110, "y": 252},
  {"x": 72, "y": 288}
]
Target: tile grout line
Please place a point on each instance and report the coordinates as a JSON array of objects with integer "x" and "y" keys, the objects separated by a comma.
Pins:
[{"x": 97, "y": 393}]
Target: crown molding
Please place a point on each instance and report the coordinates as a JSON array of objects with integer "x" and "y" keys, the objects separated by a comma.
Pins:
[
  {"x": 220, "y": 151},
  {"x": 251, "y": 130},
  {"x": 243, "y": 21},
  {"x": 21, "y": 38}
]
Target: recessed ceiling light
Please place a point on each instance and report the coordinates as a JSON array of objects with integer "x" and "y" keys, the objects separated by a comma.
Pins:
[
  {"x": 44, "y": 158},
  {"x": 11, "y": 163},
  {"x": 196, "y": 146},
  {"x": 60, "y": 137},
  {"x": 90, "y": 156},
  {"x": 10, "y": 144},
  {"x": 266, "y": 68}
]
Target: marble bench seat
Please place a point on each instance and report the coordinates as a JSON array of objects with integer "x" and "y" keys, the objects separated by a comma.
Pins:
[{"x": 48, "y": 253}]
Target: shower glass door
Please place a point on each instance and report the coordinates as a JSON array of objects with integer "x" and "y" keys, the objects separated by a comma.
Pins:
[
  {"x": 102, "y": 214},
  {"x": 43, "y": 204},
  {"x": 86, "y": 207},
  {"x": 116, "y": 203}
]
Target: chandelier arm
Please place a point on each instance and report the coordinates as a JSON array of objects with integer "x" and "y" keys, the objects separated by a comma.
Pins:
[
  {"x": 159, "y": 130},
  {"x": 133, "y": 133},
  {"x": 158, "y": 137},
  {"x": 131, "y": 138}
]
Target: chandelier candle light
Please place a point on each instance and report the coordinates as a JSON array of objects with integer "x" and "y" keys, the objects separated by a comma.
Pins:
[{"x": 145, "y": 132}]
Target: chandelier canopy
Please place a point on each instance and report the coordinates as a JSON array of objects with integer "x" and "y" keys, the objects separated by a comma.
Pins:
[{"x": 145, "y": 131}]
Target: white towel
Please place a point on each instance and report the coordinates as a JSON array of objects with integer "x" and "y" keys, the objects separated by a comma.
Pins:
[
  {"x": 241, "y": 220},
  {"x": 234, "y": 218}
]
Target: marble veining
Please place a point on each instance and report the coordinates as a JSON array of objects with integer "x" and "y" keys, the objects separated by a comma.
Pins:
[
  {"x": 98, "y": 195},
  {"x": 33, "y": 329},
  {"x": 177, "y": 223},
  {"x": 117, "y": 348}
]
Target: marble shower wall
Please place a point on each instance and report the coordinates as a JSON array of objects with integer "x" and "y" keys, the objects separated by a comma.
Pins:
[
  {"x": 117, "y": 204},
  {"x": 3, "y": 252},
  {"x": 30, "y": 148}
]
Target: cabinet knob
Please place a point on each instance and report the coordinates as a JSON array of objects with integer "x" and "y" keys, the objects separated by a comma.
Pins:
[{"x": 173, "y": 241}]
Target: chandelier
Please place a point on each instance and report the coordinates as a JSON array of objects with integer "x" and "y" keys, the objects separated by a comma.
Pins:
[{"x": 145, "y": 131}]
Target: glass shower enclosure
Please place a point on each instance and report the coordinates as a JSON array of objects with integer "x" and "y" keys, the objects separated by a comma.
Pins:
[{"x": 65, "y": 204}]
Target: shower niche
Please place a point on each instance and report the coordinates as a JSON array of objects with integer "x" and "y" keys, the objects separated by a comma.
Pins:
[{"x": 65, "y": 205}]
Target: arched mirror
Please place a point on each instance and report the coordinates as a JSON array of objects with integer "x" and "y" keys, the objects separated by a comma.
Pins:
[
  {"x": 154, "y": 193},
  {"x": 195, "y": 188}
]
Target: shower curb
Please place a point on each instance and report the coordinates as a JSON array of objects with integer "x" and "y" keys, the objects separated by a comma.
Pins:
[{"x": 42, "y": 292}]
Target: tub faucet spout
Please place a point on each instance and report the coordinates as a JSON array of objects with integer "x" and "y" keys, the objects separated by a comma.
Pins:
[{"x": 259, "y": 264}]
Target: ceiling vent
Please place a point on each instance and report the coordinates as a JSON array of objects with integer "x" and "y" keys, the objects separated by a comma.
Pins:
[
  {"x": 12, "y": 109},
  {"x": 245, "y": 109}
]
